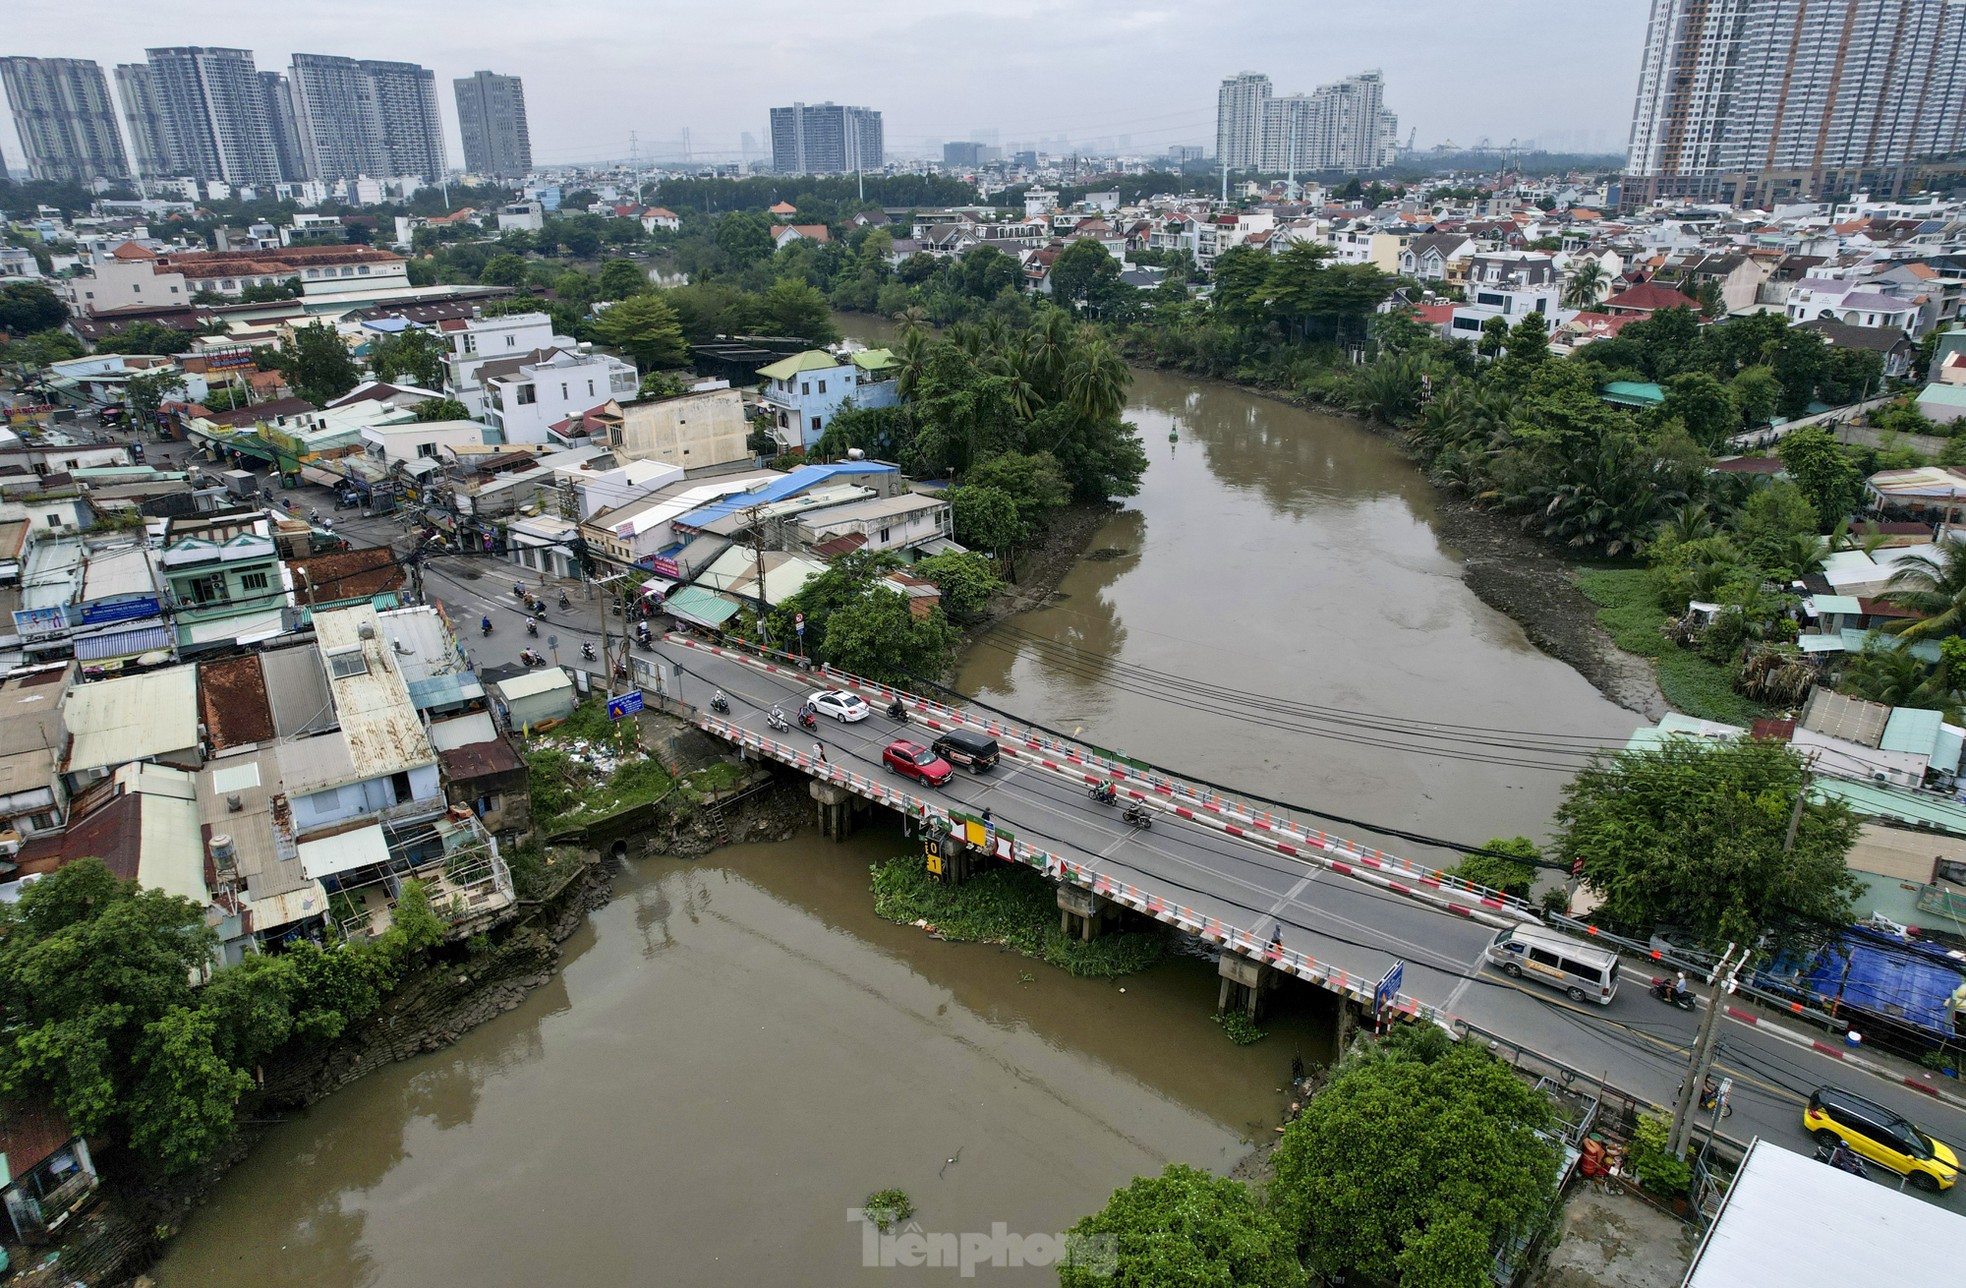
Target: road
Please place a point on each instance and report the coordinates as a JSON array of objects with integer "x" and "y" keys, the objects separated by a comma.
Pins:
[{"x": 1636, "y": 1042}]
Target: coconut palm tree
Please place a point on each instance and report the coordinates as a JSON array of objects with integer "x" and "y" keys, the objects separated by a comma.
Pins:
[
  {"x": 1889, "y": 674},
  {"x": 1015, "y": 364},
  {"x": 911, "y": 357},
  {"x": 1934, "y": 588},
  {"x": 1585, "y": 285},
  {"x": 1095, "y": 380},
  {"x": 914, "y": 318},
  {"x": 1690, "y": 522}
]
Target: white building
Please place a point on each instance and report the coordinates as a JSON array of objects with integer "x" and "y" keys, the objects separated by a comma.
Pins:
[
  {"x": 525, "y": 396},
  {"x": 483, "y": 340},
  {"x": 521, "y": 216}
]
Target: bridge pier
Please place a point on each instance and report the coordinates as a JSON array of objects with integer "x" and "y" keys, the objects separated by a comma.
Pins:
[
  {"x": 835, "y": 809},
  {"x": 1083, "y": 913},
  {"x": 1244, "y": 983}
]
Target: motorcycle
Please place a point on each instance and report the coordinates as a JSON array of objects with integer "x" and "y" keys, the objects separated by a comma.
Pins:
[
  {"x": 565, "y": 603},
  {"x": 528, "y": 658},
  {"x": 484, "y": 627},
  {"x": 807, "y": 720},
  {"x": 1138, "y": 815},
  {"x": 532, "y": 628},
  {"x": 1667, "y": 989},
  {"x": 519, "y": 591},
  {"x": 1841, "y": 1157},
  {"x": 1710, "y": 1095},
  {"x": 895, "y": 711},
  {"x": 776, "y": 720},
  {"x": 587, "y": 650},
  {"x": 1104, "y": 793},
  {"x": 720, "y": 705}
]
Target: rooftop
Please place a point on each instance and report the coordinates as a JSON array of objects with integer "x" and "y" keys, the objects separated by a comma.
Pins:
[
  {"x": 113, "y": 722},
  {"x": 371, "y": 699}
]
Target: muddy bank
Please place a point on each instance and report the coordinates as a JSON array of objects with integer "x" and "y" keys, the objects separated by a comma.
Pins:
[
  {"x": 1044, "y": 565},
  {"x": 117, "y": 1239}
]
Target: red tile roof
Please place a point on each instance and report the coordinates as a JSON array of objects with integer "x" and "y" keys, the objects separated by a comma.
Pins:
[
  {"x": 347, "y": 574},
  {"x": 31, "y": 1130},
  {"x": 232, "y": 699},
  {"x": 1649, "y": 297}
]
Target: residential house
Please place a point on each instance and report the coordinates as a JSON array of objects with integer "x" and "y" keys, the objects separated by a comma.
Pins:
[
  {"x": 655, "y": 217},
  {"x": 526, "y": 395},
  {"x": 1437, "y": 257},
  {"x": 694, "y": 430},
  {"x": 1892, "y": 346},
  {"x": 783, "y": 235},
  {"x": 804, "y": 392},
  {"x": 1855, "y": 302},
  {"x": 49, "y": 1174},
  {"x": 521, "y": 217},
  {"x": 225, "y": 580},
  {"x": 641, "y": 533},
  {"x": 33, "y": 795},
  {"x": 1645, "y": 299},
  {"x": 911, "y": 521},
  {"x": 477, "y": 341}
]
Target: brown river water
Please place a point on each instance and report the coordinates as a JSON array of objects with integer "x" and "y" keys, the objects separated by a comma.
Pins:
[{"x": 738, "y": 1050}]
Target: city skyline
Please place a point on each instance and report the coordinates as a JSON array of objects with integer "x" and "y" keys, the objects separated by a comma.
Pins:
[{"x": 1143, "y": 74}]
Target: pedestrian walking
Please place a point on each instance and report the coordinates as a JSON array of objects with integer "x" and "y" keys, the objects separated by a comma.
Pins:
[{"x": 819, "y": 752}]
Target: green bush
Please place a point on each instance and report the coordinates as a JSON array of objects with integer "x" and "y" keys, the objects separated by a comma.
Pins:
[
  {"x": 1012, "y": 905},
  {"x": 1629, "y": 611},
  {"x": 887, "y": 1208},
  {"x": 1653, "y": 1163}
]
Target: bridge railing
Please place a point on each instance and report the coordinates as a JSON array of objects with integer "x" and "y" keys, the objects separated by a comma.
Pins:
[
  {"x": 1213, "y": 930},
  {"x": 1206, "y": 799}
]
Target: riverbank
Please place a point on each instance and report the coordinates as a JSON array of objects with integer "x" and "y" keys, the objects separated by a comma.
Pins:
[
  {"x": 461, "y": 989},
  {"x": 1067, "y": 538}
]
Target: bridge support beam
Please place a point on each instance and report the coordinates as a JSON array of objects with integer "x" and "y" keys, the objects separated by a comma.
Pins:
[
  {"x": 1244, "y": 984},
  {"x": 835, "y": 809},
  {"x": 1083, "y": 913}
]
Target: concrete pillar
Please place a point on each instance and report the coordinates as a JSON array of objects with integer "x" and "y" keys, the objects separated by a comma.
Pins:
[
  {"x": 1081, "y": 910},
  {"x": 1347, "y": 1024},
  {"x": 835, "y": 814},
  {"x": 1244, "y": 983}
]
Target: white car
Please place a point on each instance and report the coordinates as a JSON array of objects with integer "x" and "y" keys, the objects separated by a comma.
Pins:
[{"x": 843, "y": 707}]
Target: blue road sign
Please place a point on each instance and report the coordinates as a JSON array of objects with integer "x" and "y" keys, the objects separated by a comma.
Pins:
[
  {"x": 1388, "y": 989},
  {"x": 625, "y": 705}
]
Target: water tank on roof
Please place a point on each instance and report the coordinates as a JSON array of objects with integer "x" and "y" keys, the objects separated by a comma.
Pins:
[{"x": 224, "y": 857}]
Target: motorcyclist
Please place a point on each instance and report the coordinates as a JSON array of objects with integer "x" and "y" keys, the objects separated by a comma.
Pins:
[
  {"x": 587, "y": 650},
  {"x": 1107, "y": 793},
  {"x": 1681, "y": 993},
  {"x": 532, "y": 626},
  {"x": 484, "y": 625},
  {"x": 717, "y": 699},
  {"x": 564, "y": 601},
  {"x": 777, "y": 718}
]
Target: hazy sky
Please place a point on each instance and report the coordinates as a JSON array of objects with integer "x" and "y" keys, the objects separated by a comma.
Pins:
[{"x": 1559, "y": 71}]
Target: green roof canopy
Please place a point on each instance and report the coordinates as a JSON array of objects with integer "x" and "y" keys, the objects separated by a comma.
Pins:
[{"x": 810, "y": 360}]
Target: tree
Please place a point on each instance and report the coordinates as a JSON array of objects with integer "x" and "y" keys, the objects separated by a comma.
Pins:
[
  {"x": 415, "y": 356},
  {"x": 441, "y": 409},
  {"x": 26, "y": 307},
  {"x": 1756, "y": 394},
  {"x": 1418, "y": 1159},
  {"x": 791, "y": 307},
  {"x": 146, "y": 337},
  {"x": 503, "y": 269},
  {"x": 1509, "y": 865},
  {"x": 42, "y": 348},
  {"x": 745, "y": 237},
  {"x": 963, "y": 577},
  {"x": 1035, "y": 484},
  {"x": 87, "y": 964},
  {"x": 317, "y": 364},
  {"x": 986, "y": 271},
  {"x": 1701, "y": 404},
  {"x": 1934, "y": 588},
  {"x": 1691, "y": 834},
  {"x": 1078, "y": 268},
  {"x": 1586, "y": 285},
  {"x": 1183, "y": 1227},
  {"x": 181, "y": 1109},
  {"x": 877, "y": 636},
  {"x": 621, "y": 278},
  {"x": 1823, "y": 470},
  {"x": 986, "y": 518},
  {"x": 146, "y": 392},
  {"x": 645, "y": 328}
]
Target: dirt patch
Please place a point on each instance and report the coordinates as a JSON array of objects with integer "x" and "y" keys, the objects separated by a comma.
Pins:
[
  {"x": 1517, "y": 575},
  {"x": 1612, "y": 1239}
]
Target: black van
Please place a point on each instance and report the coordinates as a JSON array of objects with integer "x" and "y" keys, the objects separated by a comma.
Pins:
[{"x": 978, "y": 751}]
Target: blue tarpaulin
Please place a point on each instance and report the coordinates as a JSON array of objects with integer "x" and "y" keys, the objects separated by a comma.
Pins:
[{"x": 1900, "y": 983}]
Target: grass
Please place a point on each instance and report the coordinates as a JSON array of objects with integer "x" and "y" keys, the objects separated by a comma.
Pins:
[
  {"x": 1010, "y": 905},
  {"x": 887, "y": 1208},
  {"x": 1630, "y": 613},
  {"x": 567, "y": 791},
  {"x": 1239, "y": 1028}
]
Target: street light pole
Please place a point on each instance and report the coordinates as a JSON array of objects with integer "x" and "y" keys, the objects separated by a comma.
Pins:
[{"x": 1722, "y": 978}]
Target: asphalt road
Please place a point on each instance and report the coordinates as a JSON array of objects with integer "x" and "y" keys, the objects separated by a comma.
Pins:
[{"x": 1636, "y": 1042}]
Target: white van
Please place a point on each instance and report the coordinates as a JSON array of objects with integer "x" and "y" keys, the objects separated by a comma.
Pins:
[{"x": 1584, "y": 971}]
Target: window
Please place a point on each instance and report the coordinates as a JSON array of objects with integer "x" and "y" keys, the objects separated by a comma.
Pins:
[
  {"x": 525, "y": 395},
  {"x": 511, "y": 340},
  {"x": 805, "y": 387},
  {"x": 822, "y": 386},
  {"x": 427, "y": 450},
  {"x": 348, "y": 661},
  {"x": 54, "y": 520},
  {"x": 205, "y": 590},
  {"x": 884, "y": 536},
  {"x": 1544, "y": 957},
  {"x": 563, "y": 391},
  {"x": 252, "y": 581},
  {"x": 590, "y": 389},
  {"x": 815, "y": 422}
]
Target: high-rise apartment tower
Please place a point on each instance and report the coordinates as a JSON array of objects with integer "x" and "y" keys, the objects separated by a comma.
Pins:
[
  {"x": 825, "y": 138},
  {"x": 491, "y": 116},
  {"x": 65, "y": 118}
]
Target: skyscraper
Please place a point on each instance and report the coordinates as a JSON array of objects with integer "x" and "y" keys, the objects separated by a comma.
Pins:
[
  {"x": 1239, "y": 120},
  {"x": 148, "y": 147},
  {"x": 825, "y": 138},
  {"x": 359, "y": 116},
  {"x": 1755, "y": 101},
  {"x": 278, "y": 96},
  {"x": 213, "y": 112},
  {"x": 65, "y": 118},
  {"x": 491, "y": 115},
  {"x": 1340, "y": 126}
]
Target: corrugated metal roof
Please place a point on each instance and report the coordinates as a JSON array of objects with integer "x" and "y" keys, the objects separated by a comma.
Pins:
[
  {"x": 344, "y": 851},
  {"x": 705, "y": 607},
  {"x": 146, "y": 639},
  {"x": 116, "y": 721},
  {"x": 547, "y": 679},
  {"x": 1881, "y": 800},
  {"x": 1851, "y": 719},
  {"x": 373, "y": 703},
  {"x": 805, "y": 478},
  {"x": 274, "y": 911},
  {"x": 810, "y": 360},
  {"x": 445, "y": 691},
  {"x": 1836, "y": 604},
  {"x": 1945, "y": 751},
  {"x": 1911, "y": 730},
  {"x": 462, "y": 732}
]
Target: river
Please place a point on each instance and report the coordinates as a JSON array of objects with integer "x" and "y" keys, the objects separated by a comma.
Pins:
[{"x": 738, "y": 1051}]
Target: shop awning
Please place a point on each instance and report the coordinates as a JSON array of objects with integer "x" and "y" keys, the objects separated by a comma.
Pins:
[
  {"x": 130, "y": 643},
  {"x": 659, "y": 585}
]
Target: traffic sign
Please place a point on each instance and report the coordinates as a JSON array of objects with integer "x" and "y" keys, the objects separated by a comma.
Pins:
[
  {"x": 625, "y": 705},
  {"x": 799, "y": 623},
  {"x": 1388, "y": 990}
]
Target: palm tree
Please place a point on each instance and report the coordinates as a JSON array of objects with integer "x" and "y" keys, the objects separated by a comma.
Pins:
[
  {"x": 1800, "y": 553},
  {"x": 1889, "y": 674},
  {"x": 912, "y": 358},
  {"x": 1934, "y": 588},
  {"x": 1585, "y": 285},
  {"x": 1096, "y": 381},
  {"x": 1051, "y": 347},
  {"x": 913, "y": 318},
  {"x": 1690, "y": 522},
  {"x": 1016, "y": 365}
]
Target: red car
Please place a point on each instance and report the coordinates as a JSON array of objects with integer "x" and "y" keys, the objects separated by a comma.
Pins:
[{"x": 916, "y": 761}]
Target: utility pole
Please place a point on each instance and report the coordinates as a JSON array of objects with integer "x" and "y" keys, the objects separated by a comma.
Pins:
[
  {"x": 756, "y": 515},
  {"x": 1722, "y": 978}
]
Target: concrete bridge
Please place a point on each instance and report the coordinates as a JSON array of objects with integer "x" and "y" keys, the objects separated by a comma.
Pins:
[{"x": 1282, "y": 899}]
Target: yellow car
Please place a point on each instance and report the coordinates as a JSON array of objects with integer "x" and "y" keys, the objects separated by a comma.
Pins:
[{"x": 1881, "y": 1137}]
